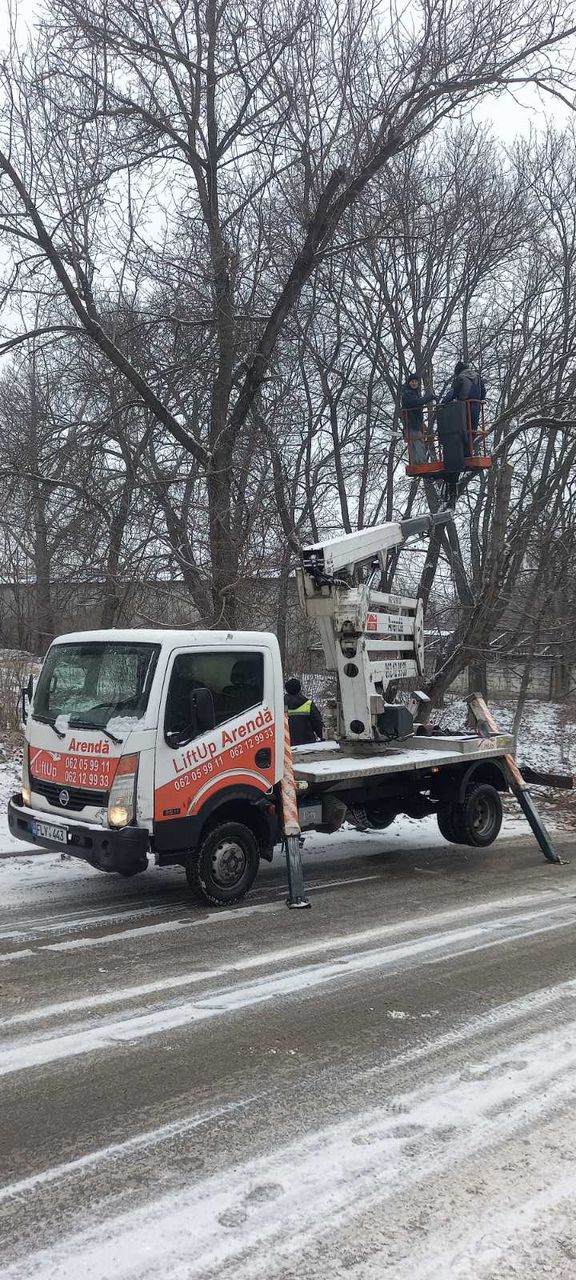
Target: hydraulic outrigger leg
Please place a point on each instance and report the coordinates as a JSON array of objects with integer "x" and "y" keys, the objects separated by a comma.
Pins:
[
  {"x": 291, "y": 831},
  {"x": 486, "y": 726}
]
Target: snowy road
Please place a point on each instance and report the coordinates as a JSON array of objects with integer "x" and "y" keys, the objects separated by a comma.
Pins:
[{"x": 382, "y": 1086}]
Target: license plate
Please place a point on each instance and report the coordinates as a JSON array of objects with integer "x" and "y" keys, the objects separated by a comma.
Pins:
[
  {"x": 49, "y": 831},
  {"x": 310, "y": 815}
]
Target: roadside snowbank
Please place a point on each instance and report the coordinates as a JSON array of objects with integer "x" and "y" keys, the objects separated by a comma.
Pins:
[{"x": 547, "y": 735}]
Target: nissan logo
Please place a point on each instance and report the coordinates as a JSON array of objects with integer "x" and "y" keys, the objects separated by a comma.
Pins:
[{"x": 64, "y": 797}]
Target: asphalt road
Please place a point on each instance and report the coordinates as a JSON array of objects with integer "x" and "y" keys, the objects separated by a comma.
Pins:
[{"x": 382, "y": 1086}]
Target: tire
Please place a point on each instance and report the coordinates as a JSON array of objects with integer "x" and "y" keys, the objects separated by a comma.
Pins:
[
  {"x": 224, "y": 866},
  {"x": 384, "y": 823},
  {"x": 444, "y": 818},
  {"x": 477, "y": 820},
  {"x": 367, "y": 822}
]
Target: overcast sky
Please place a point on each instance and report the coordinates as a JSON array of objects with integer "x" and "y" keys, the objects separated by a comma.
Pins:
[{"x": 509, "y": 116}]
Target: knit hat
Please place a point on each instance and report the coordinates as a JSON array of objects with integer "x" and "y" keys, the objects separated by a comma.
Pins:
[{"x": 293, "y": 686}]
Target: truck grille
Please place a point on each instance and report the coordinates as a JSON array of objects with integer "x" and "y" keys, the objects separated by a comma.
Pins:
[{"x": 79, "y": 797}]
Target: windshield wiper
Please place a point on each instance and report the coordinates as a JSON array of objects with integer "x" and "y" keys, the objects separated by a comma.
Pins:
[
  {"x": 47, "y": 720},
  {"x": 87, "y": 724}
]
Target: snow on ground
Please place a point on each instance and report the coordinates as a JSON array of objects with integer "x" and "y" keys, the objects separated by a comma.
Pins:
[
  {"x": 258, "y": 1218},
  {"x": 37, "y": 878},
  {"x": 10, "y": 778},
  {"x": 547, "y": 735}
]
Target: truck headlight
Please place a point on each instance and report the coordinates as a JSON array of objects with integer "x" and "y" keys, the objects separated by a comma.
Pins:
[
  {"x": 122, "y": 798},
  {"x": 119, "y": 815},
  {"x": 25, "y": 789}
]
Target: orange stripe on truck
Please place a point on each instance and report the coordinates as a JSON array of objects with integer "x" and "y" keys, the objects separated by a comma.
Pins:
[{"x": 186, "y": 793}]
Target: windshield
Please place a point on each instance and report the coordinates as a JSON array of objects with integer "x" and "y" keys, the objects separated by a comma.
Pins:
[{"x": 93, "y": 682}]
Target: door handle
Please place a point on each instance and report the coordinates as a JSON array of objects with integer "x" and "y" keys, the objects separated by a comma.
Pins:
[{"x": 263, "y": 758}]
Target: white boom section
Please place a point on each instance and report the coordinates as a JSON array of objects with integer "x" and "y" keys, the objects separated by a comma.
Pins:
[
  {"x": 352, "y": 549},
  {"x": 369, "y": 637}
]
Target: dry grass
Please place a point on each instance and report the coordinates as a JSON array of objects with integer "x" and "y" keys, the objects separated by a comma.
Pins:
[{"x": 15, "y": 668}]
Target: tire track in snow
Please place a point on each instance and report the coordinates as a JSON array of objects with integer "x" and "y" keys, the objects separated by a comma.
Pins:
[
  {"x": 73, "y": 1040},
  {"x": 120, "y": 1150},
  {"x": 29, "y": 928},
  {"x": 249, "y": 1220},
  {"x": 140, "y": 931},
  {"x": 467, "y": 1249},
  {"x": 34, "y": 931},
  {"x": 492, "y": 1023},
  {"x": 414, "y": 924}
]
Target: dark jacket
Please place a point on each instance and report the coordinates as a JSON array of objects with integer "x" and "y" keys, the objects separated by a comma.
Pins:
[
  {"x": 453, "y": 435},
  {"x": 304, "y": 719},
  {"x": 413, "y": 408},
  {"x": 467, "y": 385}
]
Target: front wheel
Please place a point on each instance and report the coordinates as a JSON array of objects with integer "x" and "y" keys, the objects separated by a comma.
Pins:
[
  {"x": 477, "y": 819},
  {"x": 223, "y": 867}
]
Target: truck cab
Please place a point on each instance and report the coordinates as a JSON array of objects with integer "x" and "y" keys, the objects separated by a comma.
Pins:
[{"x": 163, "y": 743}]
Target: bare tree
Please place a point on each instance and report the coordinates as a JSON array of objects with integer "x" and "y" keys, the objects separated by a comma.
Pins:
[{"x": 268, "y": 124}]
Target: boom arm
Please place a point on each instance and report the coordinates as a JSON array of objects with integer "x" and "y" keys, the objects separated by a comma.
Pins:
[
  {"x": 365, "y": 546},
  {"x": 370, "y": 638}
]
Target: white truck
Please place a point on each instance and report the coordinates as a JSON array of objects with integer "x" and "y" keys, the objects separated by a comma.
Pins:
[{"x": 172, "y": 743}]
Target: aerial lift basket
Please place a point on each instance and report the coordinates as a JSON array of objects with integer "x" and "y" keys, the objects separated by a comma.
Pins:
[{"x": 477, "y": 457}]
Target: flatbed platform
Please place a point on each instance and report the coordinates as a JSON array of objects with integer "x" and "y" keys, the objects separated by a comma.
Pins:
[{"x": 330, "y": 762}]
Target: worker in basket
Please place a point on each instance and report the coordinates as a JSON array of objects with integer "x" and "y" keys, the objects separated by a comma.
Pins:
[
  {"x": 413, "y": 403},
  {"x": 456, "y": 441},
  {"x": 453, "y": 439},
  {"x": 304, "y": 719},
  {"x": 468, "y": 386},
  {"x": 457, "y": 423}
]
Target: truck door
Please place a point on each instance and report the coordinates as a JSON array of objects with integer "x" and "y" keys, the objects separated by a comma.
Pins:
[{"x": 199, "y": 767}]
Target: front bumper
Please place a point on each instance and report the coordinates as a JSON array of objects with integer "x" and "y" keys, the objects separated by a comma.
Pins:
[{"x": 124, "y": 851}]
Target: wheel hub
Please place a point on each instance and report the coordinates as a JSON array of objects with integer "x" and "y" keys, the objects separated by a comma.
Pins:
[
  {"x": 228, "y": 863},
  {"x": 481, "y": 815}
]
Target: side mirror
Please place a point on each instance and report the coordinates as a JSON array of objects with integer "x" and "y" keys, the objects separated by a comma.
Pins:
[
  {"x": 26, "y": 695},
  {"x": 202, "y": 714}
]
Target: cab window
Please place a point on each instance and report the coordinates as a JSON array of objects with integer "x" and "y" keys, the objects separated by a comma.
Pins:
[
  {"x": 235, "y": 680},
  {"x": 96, "y": 681}
]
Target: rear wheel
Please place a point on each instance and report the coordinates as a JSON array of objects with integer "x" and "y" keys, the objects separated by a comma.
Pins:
[
  {"x": 446, "y": 824},
  {"x": 223, "y": 867},
  {"x": 477, "y": 819}
]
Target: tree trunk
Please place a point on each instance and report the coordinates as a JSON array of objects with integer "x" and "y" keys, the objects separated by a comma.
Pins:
[
  {"x": 478, "y": 676},
  {"x": 523, "y": 691},
  {"x": 112, "y": 602},
  {"x": 44, "y": 627},
  {"x": 44, "y": 620},
  {"x": 283, "y": 605},
  {"x": 474, "y": 632},
  {"x": 223, "y": 553}
]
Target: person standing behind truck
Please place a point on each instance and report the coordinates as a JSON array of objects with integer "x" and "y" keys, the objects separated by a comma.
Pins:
[
  {"x": 413, "y": 403},
  {"x": 304, "y": 717}
]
